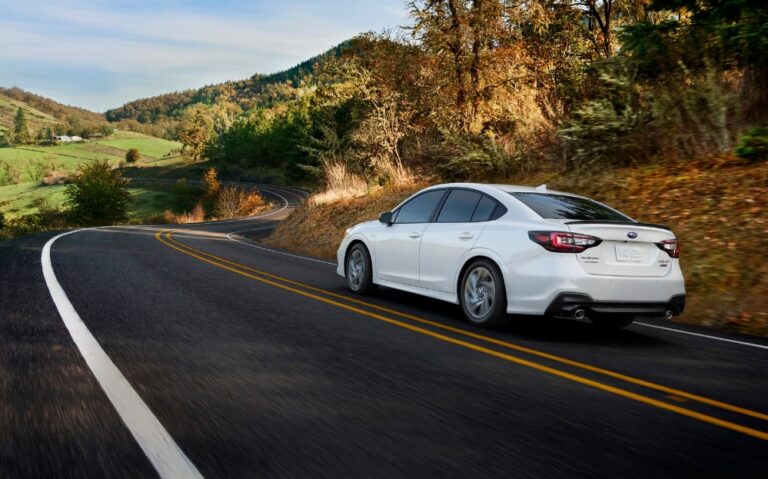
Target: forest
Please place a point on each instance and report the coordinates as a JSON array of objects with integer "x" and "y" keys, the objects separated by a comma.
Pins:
[{"x": 487, "y": 89}]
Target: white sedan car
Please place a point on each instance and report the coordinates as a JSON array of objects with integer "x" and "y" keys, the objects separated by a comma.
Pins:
[{"x": 500, "y": 250}]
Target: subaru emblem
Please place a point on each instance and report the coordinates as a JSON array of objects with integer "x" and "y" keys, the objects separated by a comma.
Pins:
[{"x": 632, "y": 235}]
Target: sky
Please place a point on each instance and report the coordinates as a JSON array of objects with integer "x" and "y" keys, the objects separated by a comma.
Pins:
[{"x": 99, "y": 54}]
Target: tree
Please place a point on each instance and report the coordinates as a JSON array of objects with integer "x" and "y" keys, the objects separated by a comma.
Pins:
[
  {"x": 132, "y": 156},
  {"x": 195, "y": 131},
  {"x": 601, "y": 16},
  {"x": 21, "y": 128},
  {"x": 98, "y": 195},
  {"x": 201, "y": 125},
  {"x": 4, "y": 140},
  {"x": 211, "y": 183},
  {"x": 495, "y": 61},
  {"x": 45, "y": 136},
  {"x": 699, "y": 35}
]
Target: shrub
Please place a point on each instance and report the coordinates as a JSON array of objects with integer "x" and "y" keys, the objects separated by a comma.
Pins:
[
  {"x": 9, "y": 175},
  {"x": 753, "y": 145},
  {"x": 601, "y": 133},
  {"x": 195, "y": 216},
  {"x": 38, "y": 169},
  {"x": 184, "y": 196},
  {"x": 251, "y": 203},
  {"x": 233, "y": 202},
  {"x": 55, "y": 178},
  {"x": 2, "y": 220},
  {"x": 98, "y": 195},
  {"x": 463, "y": 157},
  {"x": 44, "y": 220},
  {"x": 211, "y": 183},
  {"x": 132, "y": 156}
]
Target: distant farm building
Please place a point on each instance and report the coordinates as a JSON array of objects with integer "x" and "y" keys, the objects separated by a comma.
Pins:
[{"x": 68, "y": 139}]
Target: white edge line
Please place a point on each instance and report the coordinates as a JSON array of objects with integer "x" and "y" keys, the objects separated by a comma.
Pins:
[
  {"x": 167, "y": 458},
  {"x": 285, "y": 205},
  {"x": 718, "y": 338},
  {"x": 229, "y": 235}
]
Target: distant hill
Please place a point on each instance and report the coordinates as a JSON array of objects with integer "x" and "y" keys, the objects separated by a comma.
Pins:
[
  {"x": 36, "y": 118},
  {"x": 43, "y": 110},
  {"x": 258, "y": 90}
]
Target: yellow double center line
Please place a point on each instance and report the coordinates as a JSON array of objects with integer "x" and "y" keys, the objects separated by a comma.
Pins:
[{"x": 315, "y": 293}]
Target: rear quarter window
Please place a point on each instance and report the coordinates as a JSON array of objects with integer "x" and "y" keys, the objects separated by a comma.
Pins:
[{"x": 554, "y": 206}]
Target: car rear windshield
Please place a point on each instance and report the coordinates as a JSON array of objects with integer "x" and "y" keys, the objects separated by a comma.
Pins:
[{"x": 563, "y": 207}]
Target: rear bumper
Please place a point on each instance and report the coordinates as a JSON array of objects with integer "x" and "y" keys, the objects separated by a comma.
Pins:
[{"x": 565, "y": 304}]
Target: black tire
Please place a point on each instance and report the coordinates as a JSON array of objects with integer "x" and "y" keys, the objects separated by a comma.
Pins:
[
  {"x": 610, "y": 323},
  {"x": 362, "y": 281},
  {"x": 495, "y": 315}
]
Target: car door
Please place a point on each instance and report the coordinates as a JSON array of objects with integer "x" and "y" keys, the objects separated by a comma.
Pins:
[
  {"x": 454, "y": 232},
  {"x": 397, "y": 246}
]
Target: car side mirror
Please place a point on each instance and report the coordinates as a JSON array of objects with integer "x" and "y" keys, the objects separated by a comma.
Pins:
[{"x": 386, "y": 218}]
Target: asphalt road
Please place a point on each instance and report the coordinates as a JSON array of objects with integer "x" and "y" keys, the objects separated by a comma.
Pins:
[{"x": 255, "y": 363}]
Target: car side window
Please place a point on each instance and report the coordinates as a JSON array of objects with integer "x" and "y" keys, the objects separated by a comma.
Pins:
[
  {"x": 458, "y": 207},
  {"x": 484, "y": 209},
  {"x": 419, "y": 209}
]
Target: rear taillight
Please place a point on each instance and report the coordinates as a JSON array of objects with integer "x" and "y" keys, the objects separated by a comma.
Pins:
[
  {"x": 562, "y": 242},
  {"x": 672, "y": 247}
]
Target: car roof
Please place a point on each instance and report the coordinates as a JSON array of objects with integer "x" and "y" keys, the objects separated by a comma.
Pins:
[{"x": 505, "y": 188}]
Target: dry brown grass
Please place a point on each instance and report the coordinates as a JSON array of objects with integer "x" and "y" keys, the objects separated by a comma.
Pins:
[
  {"x": 233, "y": 202},
  {"x": 324, "y": 223},
  {"x": 716, "y": 207},
  {"x": 55, "y": 178},
  {"x": 195, "y": 216},
  {"x": 341, "y": 184}
]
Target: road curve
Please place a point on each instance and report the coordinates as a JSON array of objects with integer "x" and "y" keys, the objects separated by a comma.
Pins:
[{"x": 260, "y": 363}]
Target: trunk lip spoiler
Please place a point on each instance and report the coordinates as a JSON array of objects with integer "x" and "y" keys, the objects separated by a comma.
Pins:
[{"x": 618, "y": 223}]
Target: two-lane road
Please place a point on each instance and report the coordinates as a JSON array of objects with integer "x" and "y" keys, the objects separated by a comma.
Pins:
[{"x": 253, "y": 362}]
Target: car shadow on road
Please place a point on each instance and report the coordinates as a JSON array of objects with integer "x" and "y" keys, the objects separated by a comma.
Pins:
[{"x": 529, "y": 328}]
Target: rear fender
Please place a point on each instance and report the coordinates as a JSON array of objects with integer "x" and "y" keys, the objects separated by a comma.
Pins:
[{"x": 479, "y": 253}]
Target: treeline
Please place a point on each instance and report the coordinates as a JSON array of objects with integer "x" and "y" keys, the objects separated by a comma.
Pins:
[
  {"x": 159, "y": 115},
  {"x": 487, "y": 88}
]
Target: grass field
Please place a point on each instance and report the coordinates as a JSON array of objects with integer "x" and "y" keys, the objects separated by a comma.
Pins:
[
  {"x": 149, "y": 146},
  {"x": 28, "y": 198},
  {"x": 67, "y": 157}
]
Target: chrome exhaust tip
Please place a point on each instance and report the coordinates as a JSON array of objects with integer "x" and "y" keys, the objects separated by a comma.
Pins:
[
  {"x": 579, "y": 314},
  {"x": 668, "y": 314}
]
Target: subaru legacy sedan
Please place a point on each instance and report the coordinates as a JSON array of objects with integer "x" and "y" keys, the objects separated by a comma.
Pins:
[{"x": 501, "y": 250}]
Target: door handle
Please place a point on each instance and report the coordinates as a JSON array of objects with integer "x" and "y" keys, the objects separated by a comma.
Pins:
[
  {"x": 415, "y": 235},
  {"x": 466, "y": 235}
]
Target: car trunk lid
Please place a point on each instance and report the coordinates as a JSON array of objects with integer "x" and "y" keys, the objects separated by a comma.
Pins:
[{"x": 627, "y": 248}]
